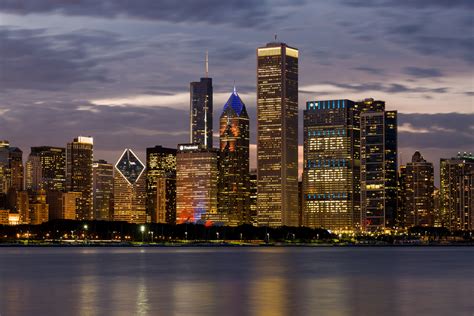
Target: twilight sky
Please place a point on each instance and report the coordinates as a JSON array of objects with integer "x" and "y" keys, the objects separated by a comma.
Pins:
[{"x": 119, "y": 70}]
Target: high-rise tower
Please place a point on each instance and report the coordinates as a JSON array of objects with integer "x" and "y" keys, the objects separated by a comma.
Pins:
[
  {"x": 234, "y": 178},
  {"x": 129, "y": 189},
  {"x": 46, "y": 168},
  {"x": 200, "y": 114},
  {"x": 79, "y": 157},
  {"x": 277, "y": 135},
  {"x": 103, "y": 189}
]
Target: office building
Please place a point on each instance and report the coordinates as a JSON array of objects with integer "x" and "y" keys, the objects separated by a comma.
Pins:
[
  {"x": 331, "y": 165},
  {"x": 102, "y": 190},
  {"x": 234, "y": 178},
  {"x": 11, "y": 168},
  {"x": 129, "y": 189},
  {"x": 378, "y": 135},
  {"x": 46, "y": 169},
  {"x": 200, "y": 119},
  {"x": 39, "y": 208},
  {"x": 161, "y": 184},
  {"x": 457, "y": 192},
  {"x": 253, "y": 197},
  {"x": 416, "y": 206},
  {"x": 196, "y": 184},
  {"x": 79, "y": 158},
  {"x": 62, "y": 205},
  {"x": 277, "y": 135}
]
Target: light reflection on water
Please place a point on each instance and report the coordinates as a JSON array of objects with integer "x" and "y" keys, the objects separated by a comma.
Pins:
[{"x": 237, "y": 281}]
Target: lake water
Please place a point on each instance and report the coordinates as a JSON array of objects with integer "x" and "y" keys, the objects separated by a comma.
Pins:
[{"x": 237, "y": 281}]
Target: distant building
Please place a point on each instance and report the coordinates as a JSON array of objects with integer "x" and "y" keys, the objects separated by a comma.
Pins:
[
  {"x": 457, "y": 192},
  {"x": 331, "y": 165},
  {"x": 11, "y": 168},
  {"x": 62, "y": 205},
  {"x": 234, "y": 191},
  {"x": 129, "y": 189},
  {"x": 39, "y": 208},
  {"x": 417, "y": 189},
  {"x": 378, "y": 148},
  {"x": 277, "y": 135},
  {"x": 253, "y": 196},
  {"x": 23, "y": 206},
  {"x": 161, "y": 184},
  {"x": 201, "y": 112},
  {"x": 196, "y": 184},
  {"x": 4, "y": 217},
  {"x": 46, "y": 169},
  {"x": 102, "y": 190},
  {"x": 79, "y": 158}
]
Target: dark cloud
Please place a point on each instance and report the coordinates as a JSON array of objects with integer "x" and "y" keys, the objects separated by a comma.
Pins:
[
  {"x": 388, "y": 88},
  {"x": 32, "y": 59},
  {"x": 370, "y": 70},
  {"x": 243, "y": 13},
  {"x": 417, "y": 4},
  {"x": 450, "y": 131},
  {"x": 408, "y": 29},
  {"x": 423, "y": 72}
]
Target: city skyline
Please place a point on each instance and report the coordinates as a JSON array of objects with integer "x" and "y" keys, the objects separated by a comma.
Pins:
[{"x": 110, "y": 79}]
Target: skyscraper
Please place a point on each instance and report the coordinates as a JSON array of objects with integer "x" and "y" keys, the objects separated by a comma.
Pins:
[
  {"x": 46, "y": 168},
  {"x": 79, "y": 158},
  {"x": 196, "y": 184},
  {"x": 129, "y": 189},
  {"x": 331, "y": 167},
  {"x": 457, "y": 192},
  {"x": 200, "y": 118},
  {"x": 277, "y": 135},
  {"x": 11, "y": 168},
  {"x": 416, "y": 190},
  {"x": 161, "y": 184},
  {"x": 378, "y": 134},
  {"x": 234, "y": 178},
  {"x": 102, "y": 190}
]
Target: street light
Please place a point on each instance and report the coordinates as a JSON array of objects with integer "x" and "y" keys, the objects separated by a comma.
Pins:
[
  {"x": 142, "y": 229},
  {"x": 85, "y": 232}
]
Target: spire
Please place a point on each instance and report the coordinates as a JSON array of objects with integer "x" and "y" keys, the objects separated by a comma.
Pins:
[
  {"x": 207, "y": 64},
  {"x": 235, "y": 89}
]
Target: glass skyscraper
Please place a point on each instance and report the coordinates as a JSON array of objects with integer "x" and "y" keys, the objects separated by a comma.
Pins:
[
  {"x": 234, "y": 181},
  {"x": 201, "y": 112},
  {"x": 46, "y": 168},
  {"x": 103, "y": 189},
  {"x": 277, "y": 135}
]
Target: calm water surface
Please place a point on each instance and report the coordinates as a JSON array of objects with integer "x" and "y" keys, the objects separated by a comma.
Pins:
[{"x": 237, "y": 281}]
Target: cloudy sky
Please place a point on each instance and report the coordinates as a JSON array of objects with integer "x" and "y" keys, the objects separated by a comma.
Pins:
[{"x": 119, "y": 70}]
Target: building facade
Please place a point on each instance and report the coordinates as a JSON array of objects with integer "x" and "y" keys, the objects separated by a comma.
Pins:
[
  {"x": 416, "y": 206},
  {"x": 130, "y": 189},
  {"x": 277, "y": 135},
  {"x": 234, "y": 177},
  {"x": 378, "y": 134},
  {"x": 79, "y": 159},
  {"x": 457, "y": 192},
  {"x": 331, "y": 165},
  {"x": 196, "y": 184},
  {"x": 46, "y": 169},
  {"x": 161, "y": 184},
  {"x": 102, "y": 190},
  {"x": 62, "y": 205},
  {"x": 200, "y": 120}
]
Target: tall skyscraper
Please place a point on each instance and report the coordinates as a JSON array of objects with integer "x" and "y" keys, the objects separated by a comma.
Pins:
[
  {"x": 102, "y": 190},
  {"x": 196, "y": 184},
  {"x": 234, "y": 178},
  {"x": 378, "y": 134},
  {"x": 129, "y": 189},
  {"x": 416, "y": 190},
  {"x": 161, "y": 184},
  {"x": 11, "y": 168},
  {"x": 277, "y": 135},
  {"x": 200, "y": 119},
  {"x": 457, "y": 192},
  {"x": 46, "y": 168},
  {"x": 79, "y": 158},
  {"x": 331, "y": 167}
]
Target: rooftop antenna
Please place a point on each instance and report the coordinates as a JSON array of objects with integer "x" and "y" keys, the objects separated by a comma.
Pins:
[
  {"x": 275, "y": 37},
  {"x": 235, "y": 90},
  {"x": 207, "y": 64}
]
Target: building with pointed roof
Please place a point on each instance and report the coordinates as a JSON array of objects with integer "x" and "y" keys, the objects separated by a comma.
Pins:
[
  {"x": 234, "y": 177},
  {"x": 129, "y": 189}
]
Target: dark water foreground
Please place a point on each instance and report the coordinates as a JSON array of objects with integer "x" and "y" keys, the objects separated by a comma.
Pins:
[{"x": 237, "y": 281}]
